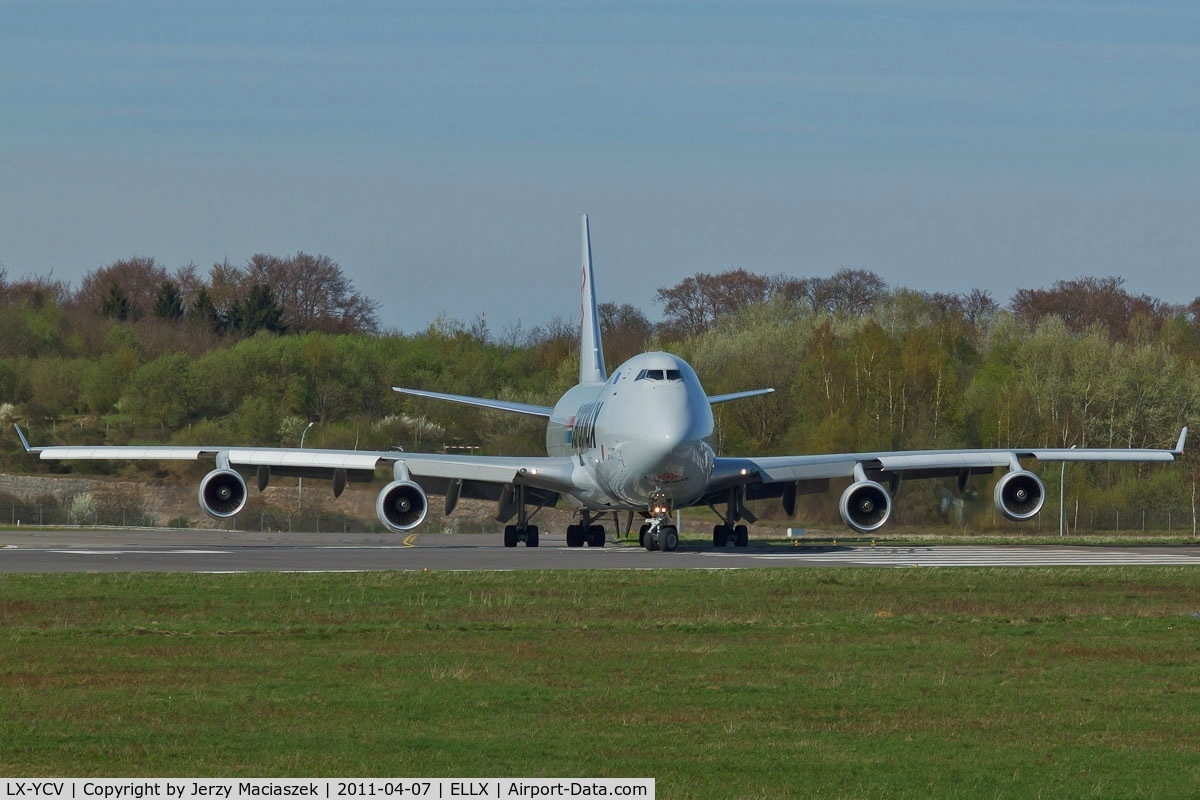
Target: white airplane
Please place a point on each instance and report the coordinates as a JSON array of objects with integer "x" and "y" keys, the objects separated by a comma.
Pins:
[{"x": 635, "y": 441}]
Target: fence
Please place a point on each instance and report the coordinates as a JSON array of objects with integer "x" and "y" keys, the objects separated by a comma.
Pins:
[{"x": 83, "y": 511}]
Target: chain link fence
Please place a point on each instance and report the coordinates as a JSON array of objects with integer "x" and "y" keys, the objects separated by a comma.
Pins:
[{"x": 84, "y": 510}]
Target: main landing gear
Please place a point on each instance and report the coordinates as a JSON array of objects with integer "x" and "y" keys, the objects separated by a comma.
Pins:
[
  {"x": 515, "y": 533},
  {"x": 735, "y": 510},
  {"x": 738, "y": 534},
  {"x": 521, "y": 532},
  {"x": 586, "y": 532}
]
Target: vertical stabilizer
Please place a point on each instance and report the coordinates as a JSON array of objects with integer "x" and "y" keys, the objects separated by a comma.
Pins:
[{"x": 591, "y": 351}]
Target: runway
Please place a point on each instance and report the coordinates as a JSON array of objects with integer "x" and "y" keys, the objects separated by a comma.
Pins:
[{"x": 58, "y": 551}]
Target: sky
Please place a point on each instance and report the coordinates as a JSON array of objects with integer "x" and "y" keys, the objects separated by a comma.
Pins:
[{"x": 443, "y": 152}]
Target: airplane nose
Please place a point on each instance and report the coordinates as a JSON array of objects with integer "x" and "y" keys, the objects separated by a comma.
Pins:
[{"x": 673, "y": 430}]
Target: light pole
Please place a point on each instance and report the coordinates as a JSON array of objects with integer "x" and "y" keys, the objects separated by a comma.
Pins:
[
  {"x": 300, "y": 481},
  {"x": 1062, "y": 495}
]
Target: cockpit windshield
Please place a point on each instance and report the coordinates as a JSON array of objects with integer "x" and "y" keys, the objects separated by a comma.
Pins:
[{"x": 659, "y": 375}]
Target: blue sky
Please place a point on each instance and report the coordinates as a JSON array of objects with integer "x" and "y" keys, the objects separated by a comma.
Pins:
[{"x": 442, "y": 152}]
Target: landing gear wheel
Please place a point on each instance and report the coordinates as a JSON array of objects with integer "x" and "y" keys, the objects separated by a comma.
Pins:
[
  {"x": 644, "y": 538},
  {"x": 720, "y": 535},
  {"x": 531, "y": 536},
  {"x": 574, "y": 536},
  {"x": 669, "y": 538},
  {"x": 510, "y": 535},
  {"x": 595, "y": 536},
  {"x": 741, "y": 536}
]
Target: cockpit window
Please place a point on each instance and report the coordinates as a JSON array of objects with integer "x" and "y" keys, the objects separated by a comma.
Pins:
[{"x": 659, "y": 375}]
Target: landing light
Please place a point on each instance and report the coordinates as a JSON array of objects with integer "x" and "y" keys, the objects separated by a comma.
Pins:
[{"x": 743, "y": 471}]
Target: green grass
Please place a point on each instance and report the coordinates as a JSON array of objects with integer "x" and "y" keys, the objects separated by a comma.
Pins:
[{"x": 1080, "y": 682}]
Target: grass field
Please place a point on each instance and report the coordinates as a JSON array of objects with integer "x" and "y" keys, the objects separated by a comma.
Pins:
[{"x": 752, "y": 684}]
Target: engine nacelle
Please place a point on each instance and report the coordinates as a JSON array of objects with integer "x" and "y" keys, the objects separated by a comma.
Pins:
[
  {"x": 1019, "y": 495},
  {"x": 401, "y": 505},
  {"x": 222, "y": 493},
  {"x": 865, "y": 506}
]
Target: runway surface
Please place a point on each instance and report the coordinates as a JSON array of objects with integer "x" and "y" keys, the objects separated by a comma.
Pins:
[{"x": 47, "y": 551}]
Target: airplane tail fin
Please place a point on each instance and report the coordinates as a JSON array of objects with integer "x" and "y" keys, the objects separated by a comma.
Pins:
[{"x": 591, "y": 350}]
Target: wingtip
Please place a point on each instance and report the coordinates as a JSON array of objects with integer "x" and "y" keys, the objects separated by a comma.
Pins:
[
  {"x": 24, "y": 441},
  {"x": 1182, "y": 441}
]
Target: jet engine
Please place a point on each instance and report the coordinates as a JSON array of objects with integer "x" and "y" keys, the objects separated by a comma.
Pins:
[
  {"x": 401, "y": 505},
  {"x": 1019, "y": 495},
  {"x": 865, "y": 506},
  {"x": 222, "y": 493}
]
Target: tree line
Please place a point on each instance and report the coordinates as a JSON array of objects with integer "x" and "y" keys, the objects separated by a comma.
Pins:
[
  {"x": 300, "y": 293},
  {"x": 857, "y": 365}
]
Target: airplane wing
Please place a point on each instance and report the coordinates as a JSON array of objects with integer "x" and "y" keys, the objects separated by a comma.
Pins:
[
  {"x": 769, "y": 476},
  {"x": 435, "y": 469},
  {"x": 480, "y": 402},
  {"x": 725, "y": 398}
]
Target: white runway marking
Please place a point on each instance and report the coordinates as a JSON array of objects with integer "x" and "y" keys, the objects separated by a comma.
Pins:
[
  {"x": 129, "y": 552},
  {"x": 977, "y": 557}
]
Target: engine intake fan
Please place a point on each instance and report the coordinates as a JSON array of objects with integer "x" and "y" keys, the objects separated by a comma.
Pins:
[
  {"x": 865, "y": 506},
  {"x": 401, "y": 505},
  {"x": 222, "y": 493},
  {"x": 1019, "y": 495}
]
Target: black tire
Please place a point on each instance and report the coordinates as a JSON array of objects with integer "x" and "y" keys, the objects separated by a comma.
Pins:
[
  {"x": 510, "y": 535},
  {"x": 531, "y": 536},
  {"x": 574, "y": 536},
  {"x": 741, "y": 536},
  {"x": 669, "y": 538},
  {"x": 720, "y": 535},
  {"x": 595, "y": 536},
  {"x": 645, "y": 529}
]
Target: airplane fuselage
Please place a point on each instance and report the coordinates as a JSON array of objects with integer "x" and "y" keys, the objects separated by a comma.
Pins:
[{"x": 639, "y": 438}]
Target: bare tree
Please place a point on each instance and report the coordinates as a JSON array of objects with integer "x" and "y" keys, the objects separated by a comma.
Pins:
[
  {"x": 315, "y": 293},
  {"x": 33, "y": 292},
  {"x": 227, "y": 285},
  {"x": 1084, "y": 302},
  {"x": 850, "y": 291},
  {"x": 692, "y": 305},
  {"x": 686, "y": 308},
  {"x": 800, "y": 292},
  {"x": 131, "y": 285},
  {"x": 624, "y": 329},
  {"x": 978, "y": 305}
]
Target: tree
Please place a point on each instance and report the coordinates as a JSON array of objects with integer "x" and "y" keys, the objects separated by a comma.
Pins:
[
  {"x": 227, "y": 285},
  {"x": 136, "y": 281},
  {"x": 1083, "y": 302},
  {"x": 978, "y": 306},
  {"x": 116, "y": 304},
  {"x": 692, "y": 305},
  {"x": 314, "y": 294},
  {"x": 624, "y": 329},
  {"x": 205, "y": 312},
  {"x": 160, "y": 392},
  {"x": 854, "y": 292},
  {"x": 169, "y": 303},
  {"x": 32, "y": 292},
  {"x": 259, "y": 312}
]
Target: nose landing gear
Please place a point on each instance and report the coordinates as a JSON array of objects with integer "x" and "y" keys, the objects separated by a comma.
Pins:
[{"x": 660, "y": 533}]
